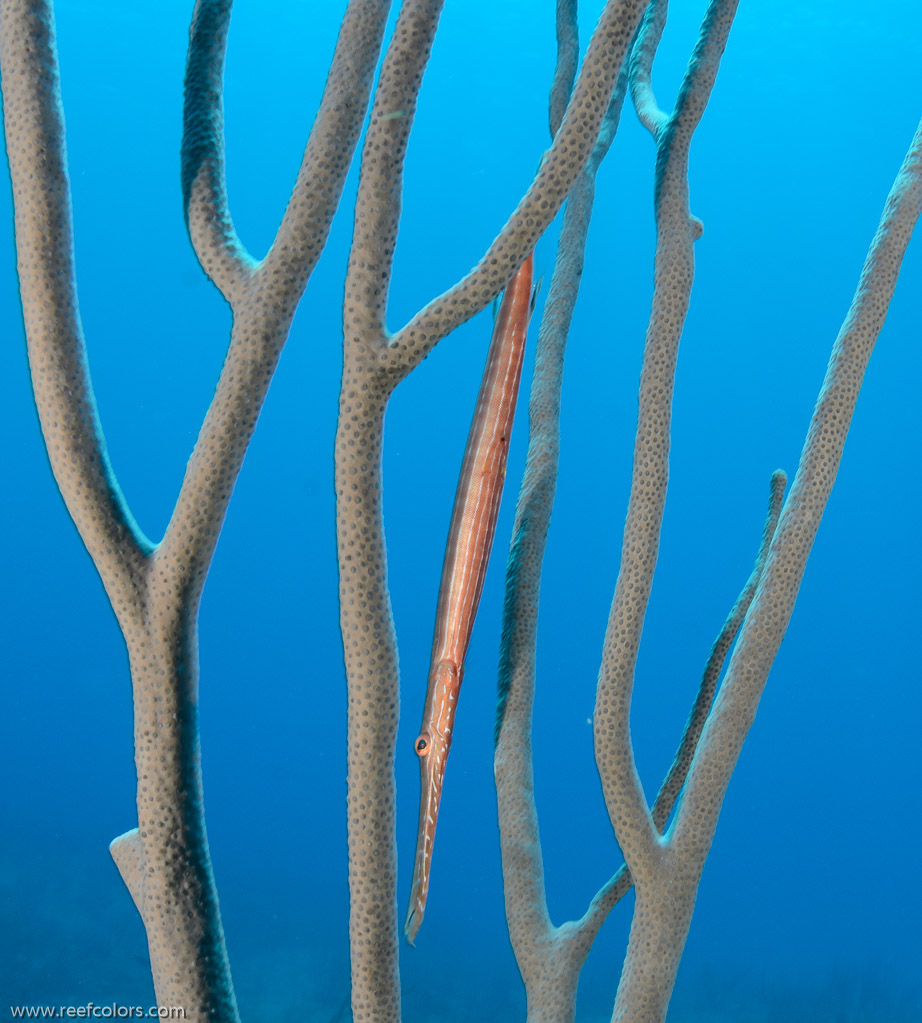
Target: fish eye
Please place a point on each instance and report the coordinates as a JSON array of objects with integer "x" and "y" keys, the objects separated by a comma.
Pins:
[{"x": 422, "y": 744}]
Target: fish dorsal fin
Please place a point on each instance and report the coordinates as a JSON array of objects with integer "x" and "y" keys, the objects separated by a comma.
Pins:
[{"x": 535, "y": 291}]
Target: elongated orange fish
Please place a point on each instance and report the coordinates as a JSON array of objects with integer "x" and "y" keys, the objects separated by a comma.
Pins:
[{"x": 470, "y": 538}]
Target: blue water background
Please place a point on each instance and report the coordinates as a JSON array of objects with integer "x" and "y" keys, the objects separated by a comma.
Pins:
[{"x": 809, "y": 904}]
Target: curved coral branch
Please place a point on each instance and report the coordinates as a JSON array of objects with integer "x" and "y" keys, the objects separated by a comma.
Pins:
[
  {"x": 331, "y": 145},
  {"x": 34, "y": 124},
  {"x": 202, "y": 163},
  {"x": 567, "y": 62},
  {"x": 691, "y": 734},
  {"x": 550, "y": 958},
  {"x": 768, "y": 617},
  {"x": 641, "y": 72},
  {"x": 264, "y": 296},
  {"x": 564, "y": 160},
  {"x": 673, "y": 273}
]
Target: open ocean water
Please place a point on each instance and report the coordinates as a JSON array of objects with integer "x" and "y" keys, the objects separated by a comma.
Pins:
[{"x": 809, "y": 904}]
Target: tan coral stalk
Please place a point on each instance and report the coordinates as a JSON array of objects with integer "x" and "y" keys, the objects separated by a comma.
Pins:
[{"x": 155, "y": 589}]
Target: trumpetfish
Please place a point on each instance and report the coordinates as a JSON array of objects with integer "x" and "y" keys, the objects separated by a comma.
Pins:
[{"x": 470, "y": 538}]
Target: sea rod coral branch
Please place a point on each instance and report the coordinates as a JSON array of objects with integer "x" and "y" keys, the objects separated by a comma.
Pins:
[
  {"x": 568, "y": 154},
  {"x": 155, "y": 590},
  {"x": 549, "y": 957},
  {"x": 34, "y": 125},
  {"x": 673, "y": 273},
  {"x": 767, "y": 620},
  {"x": 373, "y": 364}
]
